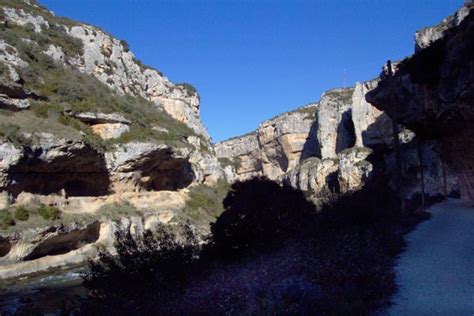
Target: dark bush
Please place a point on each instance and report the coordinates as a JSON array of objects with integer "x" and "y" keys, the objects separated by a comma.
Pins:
[
  {"x": 280, "y": 257},
  {"x": 260, "y": 213},
  {"x": 144, "y": 270}
]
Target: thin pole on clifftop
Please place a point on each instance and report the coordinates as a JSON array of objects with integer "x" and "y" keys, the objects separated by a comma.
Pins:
[{"x": 396, "y": 140}]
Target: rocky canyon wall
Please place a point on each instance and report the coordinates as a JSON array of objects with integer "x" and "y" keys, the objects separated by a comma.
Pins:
[
  {"x": 89, "y": 130},
  {"x": 333, "y": 147},
  {"x": 432, "y": 92}
]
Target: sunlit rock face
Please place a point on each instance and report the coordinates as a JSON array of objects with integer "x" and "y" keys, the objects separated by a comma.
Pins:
[
  {"x": 303, "y": 146},
  {"x": 432, "y": 92},
  {"x": 88, "y": 129},
  {"x": 109, "y": 60},
  {"x": 334, "y": 147}
]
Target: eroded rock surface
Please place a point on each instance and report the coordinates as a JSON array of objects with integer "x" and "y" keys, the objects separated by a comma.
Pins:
[
  {"x": 85, "y": 127},
  {"x": 432, "y": 92},
  {"x": 334, "y": 147}
]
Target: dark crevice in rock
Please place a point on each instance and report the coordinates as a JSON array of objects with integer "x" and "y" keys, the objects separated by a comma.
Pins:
[
  {"x": 5, "y": 247},
  {"x": 346, "y": 137},
  {"x": 333, "y": 183},
  {"x": 282, "y": 159},
  {"x": 312, "y": 147},
  {"x": 80, "y": 172},
  {"x": 65, "y": 242},
  {"x": 16, "y": 91}
]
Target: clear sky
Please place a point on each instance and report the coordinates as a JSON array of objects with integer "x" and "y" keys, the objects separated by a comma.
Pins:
[{"x": 253, "y": 59}]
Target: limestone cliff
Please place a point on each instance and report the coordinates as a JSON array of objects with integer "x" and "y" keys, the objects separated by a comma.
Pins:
[
  {"x": 333, "y": 147},
  {"x": 86, "y": 128},
  {"x": 349, "y": 132},
  {"x": 432, "y": 92}
]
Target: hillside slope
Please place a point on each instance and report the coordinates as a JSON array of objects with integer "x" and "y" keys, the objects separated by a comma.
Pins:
[{"x": 88, "y": 130}]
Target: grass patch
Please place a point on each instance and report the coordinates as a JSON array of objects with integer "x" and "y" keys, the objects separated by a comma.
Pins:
[
  {"x": 205, "y": 202},
  {"x": 56, "y": 35},
  {"x": 49, "y": 213},
  {"x": 233, "y": 162},
  {"x": 190, "y": 89},
  {"x": 22, "y": 214},
  {"x": 15, "y": 126},
  {"x": 6, "y": 219},
  {"x": 341, "y": 95},
  {"x": 116, "y": 211},
  {"x": 309, "y": 112},
  {"x": 41, "y": 216}
]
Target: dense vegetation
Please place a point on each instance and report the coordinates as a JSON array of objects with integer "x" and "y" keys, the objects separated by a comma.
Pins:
[{"x": 270, "y": 252}]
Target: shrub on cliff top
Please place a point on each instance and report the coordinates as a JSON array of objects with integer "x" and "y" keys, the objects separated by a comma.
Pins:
[{"x": 190, "y": 90}]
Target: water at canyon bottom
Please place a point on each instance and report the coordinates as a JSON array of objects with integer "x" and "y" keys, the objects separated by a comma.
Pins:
[{"x": 40, "y": 294}]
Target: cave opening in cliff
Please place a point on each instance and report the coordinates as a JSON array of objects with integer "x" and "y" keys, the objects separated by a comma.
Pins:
[
  {"x": 65, "y": 242},
  {"x": 79, "y": 173},
  {"x": 161, "y": 171},
  {"x": 174, "y": 179},
  {"x": 346, "y": 136}
]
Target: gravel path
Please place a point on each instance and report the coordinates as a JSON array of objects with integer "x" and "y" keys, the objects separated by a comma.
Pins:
[{"x": 436, "y": 273}]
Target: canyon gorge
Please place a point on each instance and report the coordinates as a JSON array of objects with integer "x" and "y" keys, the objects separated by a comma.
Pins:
[{"x": 87, "y": 129}]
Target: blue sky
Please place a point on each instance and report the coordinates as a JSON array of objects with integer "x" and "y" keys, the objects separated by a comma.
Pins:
[{"x": 251, "y": 60}]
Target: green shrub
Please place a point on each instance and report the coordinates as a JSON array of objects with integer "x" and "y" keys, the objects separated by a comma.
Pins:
[
  {"x": 126, "y": 48},
  {"x": 12, "y": 133},
  {"x": 233, "y": 162},
  {"x": 6, "y": 219},
  {"x": 48, "y": 212},
  {"x": 22, "y": 214},
  {"x": 3, "y": 69},
  {"x": 45, "y": 109},
  {"x": 208, "y": 199},
  {"x": 190, "y": 90}
]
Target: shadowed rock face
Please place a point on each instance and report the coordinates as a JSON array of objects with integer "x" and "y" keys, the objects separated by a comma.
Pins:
[
  {"x": 432, "y": 93},
  {"x": 149, "y": 167},
  {"x": 64, "y": 242},
  {"x": 80, "y": 171},
  {"x": 161, "y": 171},
  {"x": 5, "y": 247}
]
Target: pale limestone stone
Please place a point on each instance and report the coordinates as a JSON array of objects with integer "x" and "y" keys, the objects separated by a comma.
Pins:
[{"x": 110, "y": 130}]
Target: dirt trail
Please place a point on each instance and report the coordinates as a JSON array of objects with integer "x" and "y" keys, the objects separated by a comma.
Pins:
[{"x": 436, "y": 272}]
